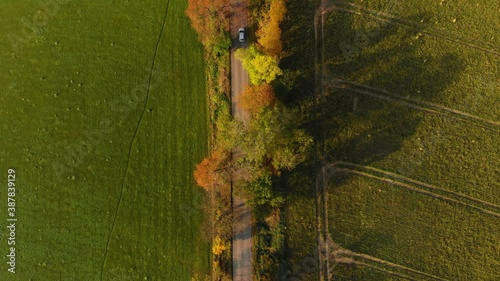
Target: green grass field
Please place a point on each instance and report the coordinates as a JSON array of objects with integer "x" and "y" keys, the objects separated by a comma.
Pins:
[
  {"x": 103, "y": 120},
  {"x": 301, "y": 236},
  {"x": 416, "y": 95},
  {"x": 419, "y": 98}
]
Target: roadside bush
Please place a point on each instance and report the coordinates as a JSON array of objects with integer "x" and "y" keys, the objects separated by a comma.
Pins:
[
  {"x": 221, "y": 104},
  {"x": 219, "y": 246},
  {"x": 263, "y": 193},
  {"x": 210, "y": 19},
  {"x": 269, "y": 249}
]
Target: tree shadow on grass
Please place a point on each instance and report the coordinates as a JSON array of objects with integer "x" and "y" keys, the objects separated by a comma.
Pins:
[
  {"x": 297, "y": 82},
  {"x": 365, "y": 128},
  {"x": 362, "y": 128},
  {"x": 370, "y": 241},
  {"x": 358, "y": 127}
]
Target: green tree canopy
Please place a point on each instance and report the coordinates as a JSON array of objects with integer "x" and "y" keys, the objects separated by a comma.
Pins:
[
  {"x": 261, "y": 68},
  {"x": 272, "y": 138}
]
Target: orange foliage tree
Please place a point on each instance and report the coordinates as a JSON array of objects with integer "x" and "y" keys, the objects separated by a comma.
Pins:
[
  {"x": 269, "y": 33},
  {"x": 256, "y": 97},
  {"x": 208, "y": 17},
  {"x": 207, "y": 173}
]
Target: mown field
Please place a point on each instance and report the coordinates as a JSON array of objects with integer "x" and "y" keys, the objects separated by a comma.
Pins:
[
  {"x": 416, "y": 95},
  {"x": 104, "y": 115}
]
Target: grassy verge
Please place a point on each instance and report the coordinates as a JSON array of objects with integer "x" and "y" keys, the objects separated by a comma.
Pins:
[
  {"x": 83, "y": 143},
  {"x": 212, "y": 24}
]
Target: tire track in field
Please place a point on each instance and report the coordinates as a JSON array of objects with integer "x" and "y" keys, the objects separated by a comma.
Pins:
[
  {"x": 422, "y": 184},
  {"x": 416, "y": 104},
  {"x": 396, "y": 266},
  {"x": 385, "y": 17},
  {"x": 324, "y": 196},
  {"x": 321, "y": 223},
  {"x": 413, "y": 185},
  {"x": 418, "y": 25},
  {"x": 353, "y": 261},
  {"x": 324, "y": 268},
  {"x": 386, "y": 271},
  {"x": 350, "y": 257},
  {"x": 136, "y": 132}
]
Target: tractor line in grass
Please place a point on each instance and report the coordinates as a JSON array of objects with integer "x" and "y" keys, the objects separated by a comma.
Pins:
[
  {"x": 384, "y": 17},
  {"x": 416, "y": 104},
  {"x": 422, "y": 191},
  {"x": 346, "y": 256},
  {"x": 136, "y": 132},
  {"x": 422, "y": 184}
]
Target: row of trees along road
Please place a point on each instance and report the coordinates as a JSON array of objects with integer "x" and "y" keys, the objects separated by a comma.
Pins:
[{"x": 270, "y": 141}]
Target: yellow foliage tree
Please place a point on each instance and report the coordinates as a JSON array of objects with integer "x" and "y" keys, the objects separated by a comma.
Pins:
[
  {"x": 269, "y": 33},
  {"x": 261, "y": 68},
  {"x": 219, "y": 246}
]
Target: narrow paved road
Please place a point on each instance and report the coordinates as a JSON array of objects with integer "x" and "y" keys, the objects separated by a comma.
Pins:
[
  {"x": 242, "y": 220},
  {"x": 242, "y": 224},
  {"x": 239, "y": 80}
]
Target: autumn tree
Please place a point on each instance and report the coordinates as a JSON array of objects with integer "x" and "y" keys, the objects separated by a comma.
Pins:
[
  {"x": 263, "y": 193},
  {"x": 270, "y": 141},
  {"x": 261, "y": 68},
  {"x": 273, "y": 140},
  {"x": 203, "y": 12},
  {"x": 210, "y": 19},
  {"x": 228, "y": 132},
  {"x": 256, "y": 97},
  {"x": 269, "y": 32},
  {"x": 208, "y": 173}
]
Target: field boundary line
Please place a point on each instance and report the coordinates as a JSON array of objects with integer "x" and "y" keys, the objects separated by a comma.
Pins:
[
  {"x": 416, "y": 104},
  {"x": 392, "y": 20},
  {"x": 160, "y": 36}
]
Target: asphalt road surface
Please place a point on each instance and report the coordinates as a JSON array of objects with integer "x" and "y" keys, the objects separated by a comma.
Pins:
[
  {"x": 239, "y": 80},
  {"x": 242, "y": 213},
  {"x": 242, "y": 224}
]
